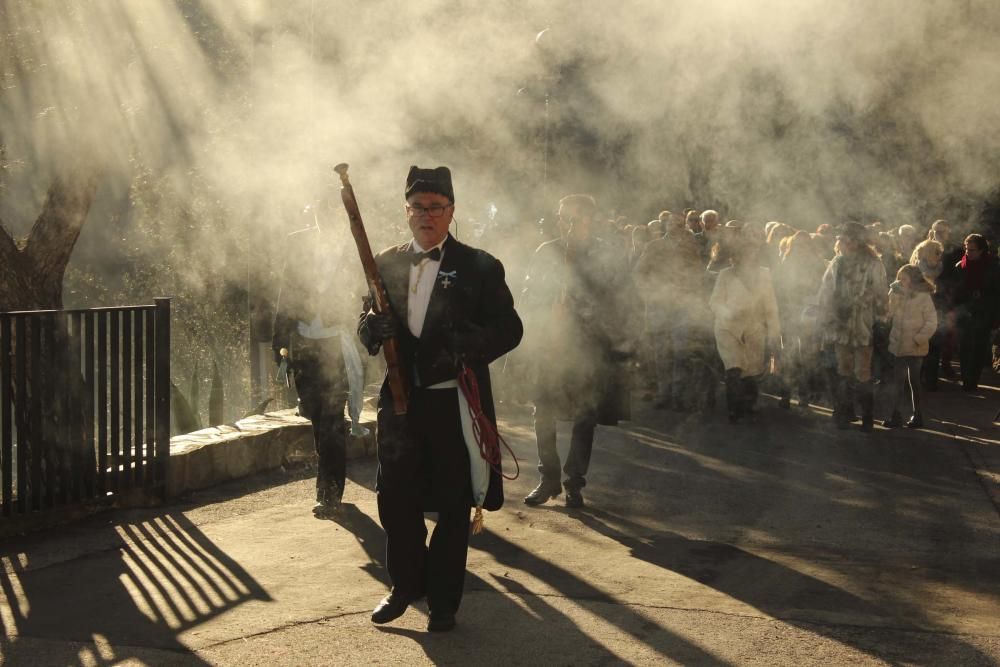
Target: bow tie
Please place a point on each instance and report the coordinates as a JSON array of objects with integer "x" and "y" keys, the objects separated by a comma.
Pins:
[{"x": 433, "y": 255}]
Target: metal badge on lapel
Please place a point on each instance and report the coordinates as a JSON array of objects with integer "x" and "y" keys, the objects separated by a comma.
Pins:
[{"x": 448, "y": 277}]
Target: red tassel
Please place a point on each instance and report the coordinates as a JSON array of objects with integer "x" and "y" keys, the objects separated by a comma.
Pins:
[{"x": 487, "y": 437}]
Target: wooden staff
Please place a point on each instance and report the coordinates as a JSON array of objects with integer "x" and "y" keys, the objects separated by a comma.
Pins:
[{"x": 390, "y": 346}]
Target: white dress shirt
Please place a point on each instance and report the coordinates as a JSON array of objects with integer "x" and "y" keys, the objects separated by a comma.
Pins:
[{"x": 422, "y": 277}]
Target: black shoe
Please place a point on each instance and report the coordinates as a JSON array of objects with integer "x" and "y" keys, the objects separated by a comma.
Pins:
[
  {"x": 327, "y": 510},
  {"x": 390, "y": 608},
  {"x": 542, "y": 493},
  {"x": 915, "y": 422},
  {"x": 574, "y": 499},
  {"x": 440, "y": 621},
  {"x": 785, "y": 403},
  {"x": 329, "y": 495}
]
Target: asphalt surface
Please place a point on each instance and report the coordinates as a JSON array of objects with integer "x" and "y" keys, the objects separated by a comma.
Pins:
[{"x": 784, "y": 542}]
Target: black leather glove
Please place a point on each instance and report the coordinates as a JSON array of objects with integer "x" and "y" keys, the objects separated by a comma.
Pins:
[{"x": 381, "y": 326}]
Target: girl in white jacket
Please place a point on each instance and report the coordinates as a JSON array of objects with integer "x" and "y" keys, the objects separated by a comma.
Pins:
[{"x": 914, "y": 321}]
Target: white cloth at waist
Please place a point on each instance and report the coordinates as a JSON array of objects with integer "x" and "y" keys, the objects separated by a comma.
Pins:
[
  {"x": 479, "y": 468},
  {"x": 447, "y": 384}
]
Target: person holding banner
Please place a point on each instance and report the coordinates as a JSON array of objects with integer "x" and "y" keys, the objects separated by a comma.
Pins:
[{"x": 450, "y": 309}]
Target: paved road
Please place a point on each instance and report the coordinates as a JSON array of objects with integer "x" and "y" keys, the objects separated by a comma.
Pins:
[{"x": 781, "y": 543}]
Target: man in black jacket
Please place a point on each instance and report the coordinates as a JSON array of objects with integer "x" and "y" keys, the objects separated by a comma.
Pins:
[
  {"x": 311, "y": 327},
  {"x": 450, "y": 306},
  {"x": 584, "y": 322}
]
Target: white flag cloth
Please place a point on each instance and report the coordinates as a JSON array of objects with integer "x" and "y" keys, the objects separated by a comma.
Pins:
[
  {"x": 355, "y": 382},
  {"x": 316, "y": 330}
]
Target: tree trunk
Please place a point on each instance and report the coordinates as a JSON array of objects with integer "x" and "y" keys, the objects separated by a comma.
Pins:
[{"x": 31, "y": 277}]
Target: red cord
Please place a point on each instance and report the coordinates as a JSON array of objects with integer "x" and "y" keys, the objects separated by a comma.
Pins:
[{"x": 486, "y": 434}]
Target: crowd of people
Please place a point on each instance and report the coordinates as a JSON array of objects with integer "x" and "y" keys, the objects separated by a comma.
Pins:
[
  {"x": 822, "y": 314},
  {"x": 680, "y": 305}
]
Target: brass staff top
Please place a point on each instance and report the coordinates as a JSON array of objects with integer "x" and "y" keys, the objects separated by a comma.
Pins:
[{"x": 342, "y": 170}]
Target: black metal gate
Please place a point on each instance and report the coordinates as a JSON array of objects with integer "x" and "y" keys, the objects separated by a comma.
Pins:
[{"x": 84, "y": 406}]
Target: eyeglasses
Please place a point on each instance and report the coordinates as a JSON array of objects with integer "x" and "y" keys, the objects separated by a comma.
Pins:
[{"x": 435, "y": 211}]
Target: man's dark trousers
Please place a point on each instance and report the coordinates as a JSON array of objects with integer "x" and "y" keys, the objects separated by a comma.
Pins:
[
  {"x": 427, "y": 467},
  {"x": 580, "y": 448}
]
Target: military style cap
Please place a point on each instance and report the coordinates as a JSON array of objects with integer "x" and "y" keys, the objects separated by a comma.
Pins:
[{"x": 437, "y": 180}]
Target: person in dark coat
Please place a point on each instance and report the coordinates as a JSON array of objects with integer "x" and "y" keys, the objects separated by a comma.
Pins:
[
  {"x": 975, "y": 298},
  {"x": 312, "y": 327},
  {"x": 584, "y": 324},
  {"x": 450, "y": 306}
]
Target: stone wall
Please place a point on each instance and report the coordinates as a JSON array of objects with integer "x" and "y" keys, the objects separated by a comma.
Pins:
[{"x": 263, "y": 442}]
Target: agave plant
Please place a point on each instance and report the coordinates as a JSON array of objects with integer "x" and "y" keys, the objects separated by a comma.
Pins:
[{"x": 187, "y": 409}]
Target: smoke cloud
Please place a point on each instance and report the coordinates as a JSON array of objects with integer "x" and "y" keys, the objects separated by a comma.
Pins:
[
  {"x": 215, "y": 122},
  {"x": 798, "y": 110}
]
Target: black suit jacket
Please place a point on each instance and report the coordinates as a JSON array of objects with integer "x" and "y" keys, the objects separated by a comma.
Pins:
[{"x": 469, "y": 295}]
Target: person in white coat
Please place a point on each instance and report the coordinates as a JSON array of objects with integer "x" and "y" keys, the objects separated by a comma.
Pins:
[
  {"x": 914, "y": 321},
  {"x": 746, "y": 320}
]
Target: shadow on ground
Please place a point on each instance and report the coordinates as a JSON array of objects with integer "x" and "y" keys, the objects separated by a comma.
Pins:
[
  {"x": 686, "y": 492},
  {"x": 491, "y": 623},
  {"x": 154, "y": 579}
]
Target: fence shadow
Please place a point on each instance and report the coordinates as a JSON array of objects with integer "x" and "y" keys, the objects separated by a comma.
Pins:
[{"x": 156, "y": 578}]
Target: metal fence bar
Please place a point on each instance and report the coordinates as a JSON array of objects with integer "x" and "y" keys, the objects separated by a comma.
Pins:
[
  {"x": 162, "y": 393},
  {"x": 74, "y": 407},
  {"x": 150, "y": 438},
  {"x": 90, "y": 448},
  {"x": 49, "y": 403},
  {"x": 103, "y": 485},
  {"x": 96, "y": 309},
  {"x": 34, "y": 439},
  {"x": 140, "y": 409},
  {"x": 114, "y": 405},
  {"x": 60, "y": 446},
  {"x": 6, "y": 418},
  {"x": 127, "y": 416},
  {"x": 21, "y": 411}
]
